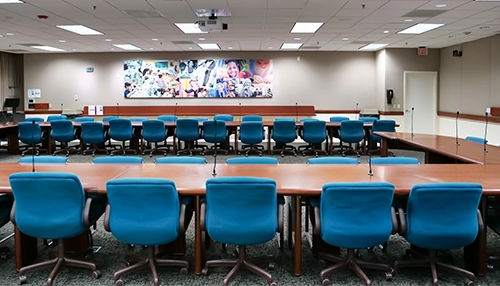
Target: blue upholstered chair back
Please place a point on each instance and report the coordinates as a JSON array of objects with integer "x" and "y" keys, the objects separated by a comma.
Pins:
[
  {"x": 181, "y": 160},
  {"x": 43, "y": 160},
  {"x": 224, "y": 117},
  {"x": 356, "y": 215},
  {"x": 199, "y": 119},
  {"x": 333, "y": 160},
  {"x": 308, "y": 119},
  {"x": 146, "y": 217},
  {"x": 284, "y": 131},
  {"x": 84, "y": 119},
  {"x": 51, "y": 118},
  {"x": 252, "y": 160},
  {"x": 188, "y": 129},
  {"x": 36, "y": 119},
  {"x": 395, "y": 161},
  {"x": 338, "y": 118},
  {"x": 443, "y": 215},
  {"x": 118, "y": 160},
  {"x": 62, "y": 130},
  {"x": 120, "y": 129},
  {"x": 108, "y": 118},
  {"x": 251, "y": 118},
  {"x": 138, "y": 119},
  {"x": 284, "y": 119},
  {"x": 241, "y": 210},
  {"x": 382, "y": 126},
  {"x": 153, "y": 130},
  {"x": 93, "y": 132},
  {"x": 29, "y": 133},
  {"x": 251, "y": 132},
  {"x": 476, "y": 139},
  {"x": 314, "y": 131},
  {"x": 48, "y": 205},
  {"x": 351, "y": 131},
  {"x": 168, "y": 118},
  {"x": 368, "y": 119},
  {"x": 214, "y": 131}
]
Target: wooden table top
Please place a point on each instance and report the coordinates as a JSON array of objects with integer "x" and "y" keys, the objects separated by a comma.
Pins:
[
  {"x": 468, "y": 151},
  {"x": 292, "y": 179}
]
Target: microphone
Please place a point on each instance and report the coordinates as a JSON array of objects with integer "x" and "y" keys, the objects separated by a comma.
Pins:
[
  {"x": 296, "y": 112},
  {"x": 175, "y": 109},
  {"x": 412, "y": 109},
  {"x": 33, "y": 146},
  {"x": 62, "y": 105},
  {"x": 214, "y": 171},
  {"x": 485, "y": 132},
  {"x": 117, "y": 109},
  {"x": 357, "y": 113},
  {"x": 240, "y": 111},
  {"x": 456, "y": 130},
  {"x": 370, "y": 172}
]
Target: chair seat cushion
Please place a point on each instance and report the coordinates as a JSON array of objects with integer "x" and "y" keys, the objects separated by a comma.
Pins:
[{"x": 352, "y": 236}]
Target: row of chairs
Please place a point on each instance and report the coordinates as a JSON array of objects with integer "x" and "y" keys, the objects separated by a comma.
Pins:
[{"x": 347, "y": 215}]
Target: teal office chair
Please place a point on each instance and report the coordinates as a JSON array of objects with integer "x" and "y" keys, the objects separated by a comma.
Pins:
[
  {"x": 53, "y": 206},
  {"x": 234, "y": 202},
  {"x": 150, "y": 217},
  {"x": 6, "y": 201},
  {"x": 224, "y": 117},
  {"x": 336, "y": 131},
  {"x": 118, "y": 160},
  {"x": 106, "y": 119},
  {"x": 284, "y": 132},
  {"x": 251, "y": 135},
  {"x": 154, "y": 132},
  {"x": 138, "y": 119},
  {"x": 31, "y": 134},
  {"x": 168, "y": 118},
  {"x": 251, "y": 118},
  {"x": 395, "y": 161},
  {"x": 333, "y": 160},
  {"x": 476, "y": 139},
  {"x": 367, "y": 119},
  {"x": 353, "y": 216},
  {"x": 43, "y": 160},
  {"x": 433, "y": 225},
  {"x": 181, "y": 160},
  {"x": 214, "y": 131},
  {"x": 352, "y": 132},
  {"x": 93, "y": 133},
  {"x": 36, "y": 119},
  {"x": 188, "y": 130},
  {"x": 51, "y": 118},
  {"x": 381, "y": 126},
  {"x": 252, "y": 160},
  {"x": 313, "y": 133},
  {"x": 120, "y": 129},
  {"x": 84, "y": 119},
  {"x": 63, "y": 131}
]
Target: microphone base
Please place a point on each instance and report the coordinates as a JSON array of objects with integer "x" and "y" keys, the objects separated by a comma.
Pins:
[
  {"x": 370, "y": 173},
  {"x": 457, "y": 144},
  {"x": 214, "y": 173},
  {"x": 485, "y": 151}
]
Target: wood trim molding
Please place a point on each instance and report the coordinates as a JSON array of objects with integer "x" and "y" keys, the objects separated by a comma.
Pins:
[
  {"x": 322, "y": 111},
  {"x": 42, "y": 111},
  {"x": 495, "y": 111},
  {"x": 469, "y": 116},
  {"x": 207, "y": 110},
  {"x": 392, "y": 113}
]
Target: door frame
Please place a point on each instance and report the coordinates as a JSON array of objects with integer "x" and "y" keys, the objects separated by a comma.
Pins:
[{"x": 434, "y": 96}]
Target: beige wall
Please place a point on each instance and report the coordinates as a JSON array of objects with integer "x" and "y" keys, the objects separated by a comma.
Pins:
[
  {"x": 471, "y": 83},
  {"x": 327, "y": 80}
]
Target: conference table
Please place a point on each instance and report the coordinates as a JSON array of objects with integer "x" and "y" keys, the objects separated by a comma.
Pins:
[
  {"x": 292, "y": 180},
  {"x": 9, "y": 131},
  {"x": 440, "y": 149}
]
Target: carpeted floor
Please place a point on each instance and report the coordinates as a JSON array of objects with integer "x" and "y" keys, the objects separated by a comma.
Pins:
[{"x": 110, "y": 257}]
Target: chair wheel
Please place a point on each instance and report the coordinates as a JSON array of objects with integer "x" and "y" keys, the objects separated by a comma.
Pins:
[
  {"x": 322, "y": 263},
  {"x": 325, "y": 282},
  {"x": 204, "y": 271},
  {"x": 96, "y": 274},
  {"x": 490, "y": 268},
  {"x": 119, "y": 282},
  {"x": 22, "y": 279},
  {"x": 273, "y": 284},
  {"x": 271, "y": 265},
  {"x": 184, "y": 271},
  {"x": 388, "y": 276},
  {"x": 469, "y": 283}
]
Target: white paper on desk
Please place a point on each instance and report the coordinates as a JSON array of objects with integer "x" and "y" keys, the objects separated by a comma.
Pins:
[
  {"x": 99, "y": 110},
  {"x": 91, "y": 109}
]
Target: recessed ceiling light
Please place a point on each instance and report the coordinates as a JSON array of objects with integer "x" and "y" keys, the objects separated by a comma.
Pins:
[
  {"x": 108, "y": 40},
  {"x": 48, "y": 48},
  {"x": 9, "y": 34},
  {"x": 420, "y": 28},
  {"x": 345, "y": 39},
  {"x": 229, "y": 48},
  {"x": 386, "y": 32},
  {"x": 151, "y": 48},
  {"x": 190, "y": 48},
  {"x": 269, "y": 48},
  {"x": 291, "y": 46},
  {"x": 128, "y": 47},
  {"x": 73, "y": 50},
  {"x": 112, "y": 49},
  {"x": 210, "y": 46},
  {"x": 79, "y": 29},
  {"x": 306, "y": 27},
  {"x": 1, "y": 36},
  {"x": 484, "y": 27},
  {"x": 487, "y": 0},
  {"x": 189, "y": 28},
  {"x": 408, "y": 20},
  {"x": 11, "y": 2},
  {"x": 372, "y": 47},
  {"x": 441, "y": 5},
  {"x": 154, "y": 39},
  {"x": 201, "y": 39},
  {"x": 62, "y": 41},
  {"x": 297, "y": 39}
]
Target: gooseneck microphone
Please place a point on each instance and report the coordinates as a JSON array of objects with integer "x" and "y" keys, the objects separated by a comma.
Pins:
[
  {"x": 357, "y": 113},
  {"x": 370, "y": 172},
  {"x": 485, "y": 132},
  {"x": 240, "y": 110},
  {"x": 62, "y": 106},
  {"x": 117, "y": 109},
  {"x": 456, "y": 130},
  {"x": 296, "y": 112},
  {"x": 175, "y": 109},
  {"x": 33, "y": 146},
  {"x": 214, "y": 171},
  {"x": 412, "y": 109}
]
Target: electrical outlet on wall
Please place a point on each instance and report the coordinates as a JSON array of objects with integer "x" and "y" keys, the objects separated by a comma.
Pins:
[
  {"x": 76, "y": 97},
  {"x": 399, "y": 105},
  {"x": 488, "y": 110},
  {"x": 394, "y": 105}
]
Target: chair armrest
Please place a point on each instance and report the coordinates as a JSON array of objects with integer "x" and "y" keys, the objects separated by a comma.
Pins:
[
  {"x": 13, "y": 213},
  {"x": 317, "y": 221},
  {"x": 106, "y": 218},
  {"x": 402, "y": 221},
  {"x": 479, "y": 221},
  {"x": 281, "y": 214},
  {"x": 86, "y": 212},
  {"x": 394, "y": 221},
  {"x": 203, "y": 210},
  {"x": 182, "y": 217}
]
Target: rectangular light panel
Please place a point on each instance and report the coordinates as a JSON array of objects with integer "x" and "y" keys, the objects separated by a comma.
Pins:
[
  {"x": 80, "y": 30},
  {"x": 128, "y": 47},
  {"x": 420, "y": 28},
  {"x": 189, "y": 28},
  {"x": 306, "y": 27},
  {"x": 48, "y": 48},
  {"x": 372, "y": 47}
]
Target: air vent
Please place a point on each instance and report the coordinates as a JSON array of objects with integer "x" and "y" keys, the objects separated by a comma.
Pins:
[
  {"x": 183, "y": 42},
  {"x": 424, "y": 13},
  {"x": 310, "y": 47},
  {"x": 143, "y": 14},
  {"x": 16, "y": 51}
]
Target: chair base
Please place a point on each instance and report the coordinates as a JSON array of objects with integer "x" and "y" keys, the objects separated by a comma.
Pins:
[
  {"x": 123, "y": 150},
  {"x": 213, "y": 150},
  {"x": 350, "y": 262},
  {"x": 349, "y": 149},
  {"x": 311, "y": 149},
  {"x": 251, "y": 148},
  {"x": 35, "y": 151},
  {"x": 57, "y": 262},
  {"x": 156, "y": 148},
  {"x": 94, "y": 150},
  {"x": 137, "y": 262},
  {"x": 431, "y": 261},
  {"x": 291, "y": 149},
  {"x": 66, "y": 150},
  {"x": 243, "y": 263}
]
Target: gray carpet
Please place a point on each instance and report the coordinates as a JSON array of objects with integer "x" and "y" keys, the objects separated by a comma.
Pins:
[{"x": 110, "y": 257}]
